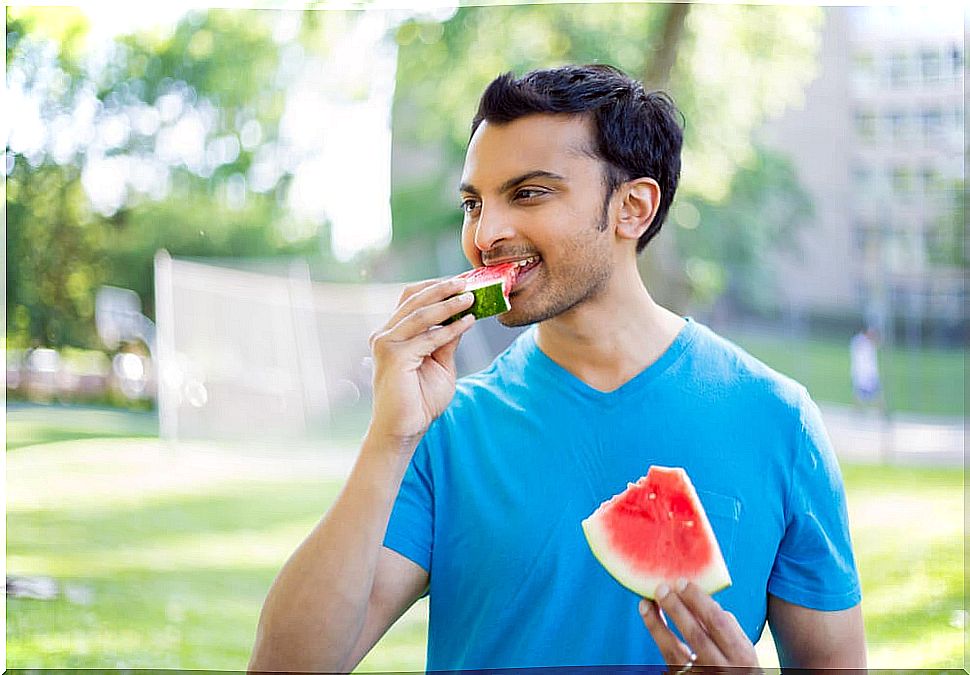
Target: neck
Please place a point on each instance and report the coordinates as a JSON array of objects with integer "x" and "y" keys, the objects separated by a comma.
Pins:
[{"x": 610, "y": 338}]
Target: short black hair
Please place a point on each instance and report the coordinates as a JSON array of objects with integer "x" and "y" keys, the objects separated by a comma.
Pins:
[{"x": 637, "y": 133}]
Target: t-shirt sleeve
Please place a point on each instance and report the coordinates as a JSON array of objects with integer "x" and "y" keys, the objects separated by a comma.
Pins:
[
  {"x": 815, "y": 566},
  {"x": 410, "y": 528}
]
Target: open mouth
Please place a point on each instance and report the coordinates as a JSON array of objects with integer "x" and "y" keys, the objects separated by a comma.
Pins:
[{"x": 523, "y": 271}]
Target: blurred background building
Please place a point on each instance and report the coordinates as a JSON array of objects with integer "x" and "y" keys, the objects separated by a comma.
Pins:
[{"x": 880, "y": 145}]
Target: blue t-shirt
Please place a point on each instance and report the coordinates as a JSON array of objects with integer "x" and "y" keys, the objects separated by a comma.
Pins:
[{"x": 492, "y": 502}]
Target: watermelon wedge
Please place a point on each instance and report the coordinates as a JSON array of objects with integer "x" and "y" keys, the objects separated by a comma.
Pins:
[
  {"x": 656, "y": 531},
  {"x": 491, "y": 286}
]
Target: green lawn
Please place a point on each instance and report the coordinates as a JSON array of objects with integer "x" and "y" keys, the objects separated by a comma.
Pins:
[
  {"x": 30, "y": 424},
  {"x": 171, "y": 573},
  {"x": 930, "y": 381}
]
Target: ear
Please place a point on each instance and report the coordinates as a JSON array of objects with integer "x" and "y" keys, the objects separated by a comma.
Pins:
[{"x": 639, "y": 200}]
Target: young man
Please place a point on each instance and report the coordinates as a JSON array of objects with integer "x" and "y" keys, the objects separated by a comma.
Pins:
[{"x": 474, "y": 491}]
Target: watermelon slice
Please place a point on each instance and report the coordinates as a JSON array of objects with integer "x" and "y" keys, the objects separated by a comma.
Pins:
[
  {"x": 491, "y": 286},
  {"x": 656, "y": 531}
]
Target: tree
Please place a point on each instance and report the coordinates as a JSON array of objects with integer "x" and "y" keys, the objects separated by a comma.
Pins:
[
  {"x": 729, "y": 68},
  {"x": 155, "y": 139}
]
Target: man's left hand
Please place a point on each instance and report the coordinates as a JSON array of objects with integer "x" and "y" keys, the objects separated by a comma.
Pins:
[{"x": 714, "y": 637}]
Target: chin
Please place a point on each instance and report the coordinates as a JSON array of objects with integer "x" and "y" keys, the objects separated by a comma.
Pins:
[{"x": 513, "y": 319}]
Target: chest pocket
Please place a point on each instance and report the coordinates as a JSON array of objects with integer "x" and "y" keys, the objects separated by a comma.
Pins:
[{"x": 725, "y": 515}]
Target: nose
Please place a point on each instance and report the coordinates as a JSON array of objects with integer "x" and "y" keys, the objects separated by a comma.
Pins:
[{"x": 493, "y": 225}]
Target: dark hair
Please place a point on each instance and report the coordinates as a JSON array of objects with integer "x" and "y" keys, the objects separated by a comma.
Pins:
[{"x": 637, "y": 134}]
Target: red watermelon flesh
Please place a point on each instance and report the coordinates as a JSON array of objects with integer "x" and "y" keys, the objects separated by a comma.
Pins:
[
  {"x": 656, "y": 531},
  {"x": 490, "y": 274}
]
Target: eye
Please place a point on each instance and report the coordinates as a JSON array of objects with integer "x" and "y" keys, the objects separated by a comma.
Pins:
[
  {"x": 529, "y": 193},
  {"x": 468, "y": 205}
]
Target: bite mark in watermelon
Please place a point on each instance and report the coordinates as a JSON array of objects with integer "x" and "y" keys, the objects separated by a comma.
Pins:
[
  {"x": 657, "y": 531},
  {"x": 491, "y": 286}
]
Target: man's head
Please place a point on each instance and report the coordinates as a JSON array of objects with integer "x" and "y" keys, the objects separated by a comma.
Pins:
[{"x": 636, "y": 133}]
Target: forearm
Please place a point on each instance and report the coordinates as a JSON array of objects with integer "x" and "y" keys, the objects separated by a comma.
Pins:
[{"x": 316, "y": 607}]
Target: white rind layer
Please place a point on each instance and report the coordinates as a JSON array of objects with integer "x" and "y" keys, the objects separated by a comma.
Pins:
[
  {"x": 484, "y": 283},
  {"x": 711, "y": 580}
]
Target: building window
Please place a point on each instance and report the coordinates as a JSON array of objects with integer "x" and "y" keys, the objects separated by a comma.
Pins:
[
  {"x": 902, "y": 180},
  {"x": 943, "y": 243},
  {"x": 932, "y": 120},
  {"x": 899, "y": 69},
  {"x": 866, "y": 238},
  {"x": 931, "y": 180},
  {"x": 956, "y": 61},
  {"x": 898, "y": 124},
  {"x": 929, "y": 60},
  {"x": 864, "y": 68},
  {"x": 865, "y": 125}
]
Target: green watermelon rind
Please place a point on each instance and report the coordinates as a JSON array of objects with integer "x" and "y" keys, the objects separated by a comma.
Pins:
[
  {"x": 715, "y": 579},
  {"x": 489, "y": 300}
]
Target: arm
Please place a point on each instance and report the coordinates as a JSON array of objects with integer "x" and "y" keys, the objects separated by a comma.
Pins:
[
  {"x": 341, "y": 589},
  {"x": 808, "y": 638}
]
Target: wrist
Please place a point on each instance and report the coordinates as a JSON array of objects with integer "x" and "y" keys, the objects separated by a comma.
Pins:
[{"x": 400, "y": 446}]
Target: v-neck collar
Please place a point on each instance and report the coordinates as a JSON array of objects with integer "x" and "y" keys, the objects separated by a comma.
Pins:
[{"x": 562, "y": 377}]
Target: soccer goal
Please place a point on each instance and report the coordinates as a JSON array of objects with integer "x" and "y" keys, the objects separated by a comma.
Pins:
[{"x": 271, "y": 355}]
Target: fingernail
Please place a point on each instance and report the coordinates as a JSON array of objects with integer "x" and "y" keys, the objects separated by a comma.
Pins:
[
  {"x": 662, "y": 591},
  {"x": 681, "y": 584},
  {"x": 643, "y": 606}
]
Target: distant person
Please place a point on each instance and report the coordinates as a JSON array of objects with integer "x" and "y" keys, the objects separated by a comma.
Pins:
[{"x": 864, "y": 370}]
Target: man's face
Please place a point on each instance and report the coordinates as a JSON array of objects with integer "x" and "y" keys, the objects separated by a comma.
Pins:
[{"x": 532, "y": 188}]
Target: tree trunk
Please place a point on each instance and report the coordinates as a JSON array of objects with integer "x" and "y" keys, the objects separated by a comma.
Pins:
[
  {"x": 657, "y": 71},
  {"x": 660, "y": 264}
]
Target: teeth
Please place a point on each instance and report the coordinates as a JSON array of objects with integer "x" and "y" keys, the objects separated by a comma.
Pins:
[{"x": 527, "y": 261}]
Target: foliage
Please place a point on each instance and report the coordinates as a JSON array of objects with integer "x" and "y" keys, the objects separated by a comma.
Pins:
[
  {"x": 764, "y": 207},
  {"x": 176, "y": 137},
  {"x": 948, "y": 244},
  {"x": 736, "y": 66},
  {"x": 152, "y": 140}
]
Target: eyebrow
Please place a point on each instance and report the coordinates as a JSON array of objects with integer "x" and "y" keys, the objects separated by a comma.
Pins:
[{"x": 512, "y": 182}]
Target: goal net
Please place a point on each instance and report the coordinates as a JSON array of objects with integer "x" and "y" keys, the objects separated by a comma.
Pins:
[{"x": 273, "y": 356}]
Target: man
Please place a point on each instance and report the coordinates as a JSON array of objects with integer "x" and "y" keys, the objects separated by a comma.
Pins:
[{"x": 474, "y": 491}]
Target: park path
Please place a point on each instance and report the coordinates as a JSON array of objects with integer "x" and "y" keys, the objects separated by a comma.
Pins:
[{"x": 865, "y": 437}]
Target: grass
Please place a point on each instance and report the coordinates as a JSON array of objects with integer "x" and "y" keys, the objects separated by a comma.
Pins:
[
  {"x": 164, "y": 560},
  {"x": 930, "y": 381},
  {"x": 32, "y": 424}
]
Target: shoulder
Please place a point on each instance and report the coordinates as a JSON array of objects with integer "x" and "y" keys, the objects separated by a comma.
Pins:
[
  {"x": 491, "y": 391},
  {"x": 718, "y": 364}
]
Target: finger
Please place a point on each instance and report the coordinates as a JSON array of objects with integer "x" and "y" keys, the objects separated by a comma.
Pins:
[
  {"x": 436, "y": 338},
  {"x": 429, "y": 316},
  {"x": 689, "y": 626},
  {"x": 445, "y": 354},
  {"x": 674, "y": 652},
  {"x": 423, "y": 294},
  {"x": 410, "y": 289},
  {"x": 721, "y": 625}
]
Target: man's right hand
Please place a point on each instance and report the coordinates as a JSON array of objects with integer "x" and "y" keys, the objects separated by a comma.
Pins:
[{"x": 414, "y": 360}]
